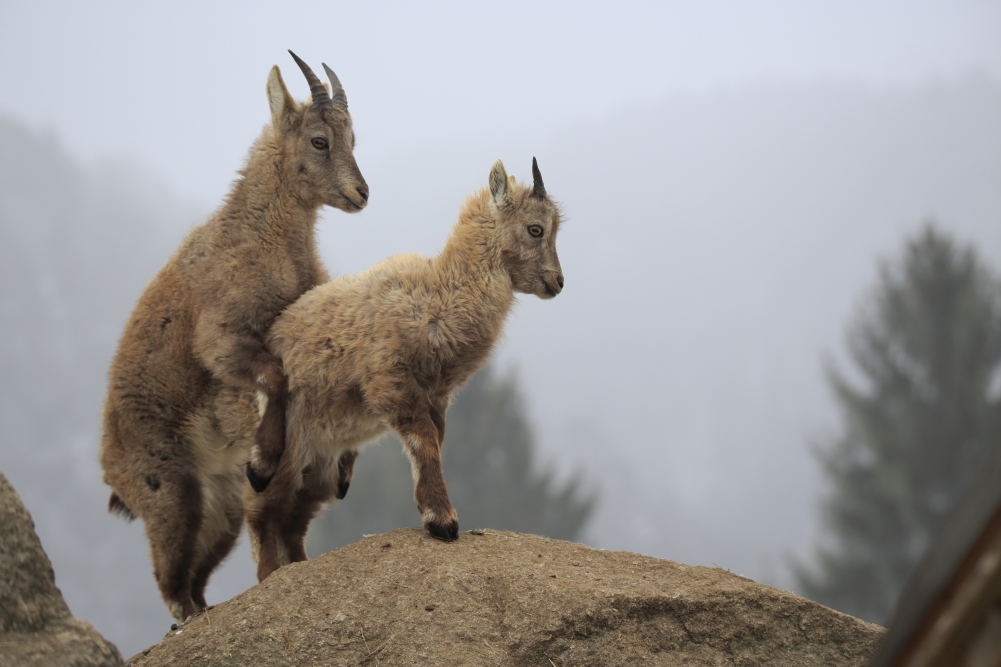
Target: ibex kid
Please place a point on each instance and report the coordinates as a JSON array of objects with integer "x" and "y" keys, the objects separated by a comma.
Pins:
[
  {"x": 387, "y": 348},
  {"x": 198, "y": 331}
]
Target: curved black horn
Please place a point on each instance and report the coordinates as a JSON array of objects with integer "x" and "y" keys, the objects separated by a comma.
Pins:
[
  {"x": 336, "y": 89},
  {"x": 538, "y": 188},
  {"x": 320, "y": 98}
]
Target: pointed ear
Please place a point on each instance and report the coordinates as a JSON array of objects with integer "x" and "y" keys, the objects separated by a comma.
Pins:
[
  {"x": 281, "y": 103},
  {"x": 498, "y": 183}
]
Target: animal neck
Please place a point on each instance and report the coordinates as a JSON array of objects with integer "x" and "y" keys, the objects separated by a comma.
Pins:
[
  {"x": 263, "y": 198},
  {"x": 471, "y": 263}
]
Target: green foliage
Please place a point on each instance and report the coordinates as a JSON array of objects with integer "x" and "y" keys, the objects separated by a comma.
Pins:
[
  {"x": 489, "y": 466},
  {"x": 918, "y": 427}
]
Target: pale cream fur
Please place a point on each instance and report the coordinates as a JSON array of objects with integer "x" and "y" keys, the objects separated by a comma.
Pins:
[{"x": 386, "y": 349}]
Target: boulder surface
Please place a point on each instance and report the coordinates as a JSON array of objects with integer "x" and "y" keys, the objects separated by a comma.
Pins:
[
  {"x": 500, "y": 598},
  {"x": 36, "y": 627}
]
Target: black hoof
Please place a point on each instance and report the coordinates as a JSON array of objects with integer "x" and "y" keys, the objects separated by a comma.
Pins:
[
  {"x": 256, "y": 481},
  {"x": 342, "y": 489},
  {"x": 448, "y": 532}
]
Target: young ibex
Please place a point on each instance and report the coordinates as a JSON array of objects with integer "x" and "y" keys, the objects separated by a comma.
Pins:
[
  {"x": 200, "y": 328},
  {"x": 387, "y": 348}
]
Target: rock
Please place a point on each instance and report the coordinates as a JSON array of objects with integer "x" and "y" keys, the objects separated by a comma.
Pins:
[
  {"x": 500, "y": 598},
  {"x": 36, "y": 627}
]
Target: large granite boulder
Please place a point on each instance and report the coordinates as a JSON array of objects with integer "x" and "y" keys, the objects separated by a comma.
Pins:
[{"x": 499, "y": 598}]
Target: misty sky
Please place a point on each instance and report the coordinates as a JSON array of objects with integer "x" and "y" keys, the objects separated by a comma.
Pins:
[
  {"x": 730, "y": 173},
  {"x": 177, "y": 87}
]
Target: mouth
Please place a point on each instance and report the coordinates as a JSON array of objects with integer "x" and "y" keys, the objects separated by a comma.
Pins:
[
  {"x": 550, "y": 290},
  {"x": 352, "y": 205}
]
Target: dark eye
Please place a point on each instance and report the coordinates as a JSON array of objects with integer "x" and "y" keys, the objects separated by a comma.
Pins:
[
  {"x": 319, "y": 143},
  {"x": 535, "y": 230}
]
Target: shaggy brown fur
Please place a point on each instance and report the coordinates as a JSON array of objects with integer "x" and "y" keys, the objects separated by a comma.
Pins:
[
  {"x": 195, "y": 343},
  {"x": 387, "y": 348}
]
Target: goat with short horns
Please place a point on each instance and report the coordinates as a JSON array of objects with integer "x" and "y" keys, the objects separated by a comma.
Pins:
[
  {"x": 201, "y": 326},
  {"x": 387, "y": 348}
]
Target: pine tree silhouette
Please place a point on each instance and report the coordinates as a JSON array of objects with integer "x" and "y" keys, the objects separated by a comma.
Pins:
[{"x": 918, "y": 428}]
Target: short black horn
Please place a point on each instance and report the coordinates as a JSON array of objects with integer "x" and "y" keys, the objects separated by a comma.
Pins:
[
  {"x": 320, "y": 98},
  {"x": 538, "y": 188},
  {"x": 336, "y": 89}
]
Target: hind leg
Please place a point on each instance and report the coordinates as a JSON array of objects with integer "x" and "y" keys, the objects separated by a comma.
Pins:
[
  {"x": 172, "y": 528},
  {"x": 264, "y": 512},
  {"x": 277, "y": 519},
  {"x": 152, "y": 475},
  {"x": 220, "y": 529},
  {"x": 293, "y": 530},
  {"x": 318, "y": 487}
]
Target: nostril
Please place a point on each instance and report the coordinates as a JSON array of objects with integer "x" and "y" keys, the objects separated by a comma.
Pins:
[
  {"x": 559, "y": 279},
  {"x": 364, "y": 193}
]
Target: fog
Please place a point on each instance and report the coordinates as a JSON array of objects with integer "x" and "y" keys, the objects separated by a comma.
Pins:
[{"x": 730, "y": 174}]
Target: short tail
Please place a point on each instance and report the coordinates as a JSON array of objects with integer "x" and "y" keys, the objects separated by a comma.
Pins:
[{"x": 117, "y": 506}]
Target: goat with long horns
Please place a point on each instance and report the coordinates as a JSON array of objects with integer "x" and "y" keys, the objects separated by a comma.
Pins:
[{"x": 198, "y": 332}]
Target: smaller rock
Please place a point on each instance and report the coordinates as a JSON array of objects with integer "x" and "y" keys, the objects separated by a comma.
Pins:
[{"x": 36, "y": 627}]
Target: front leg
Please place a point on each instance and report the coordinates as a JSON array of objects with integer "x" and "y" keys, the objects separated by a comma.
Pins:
[
  {"x": 240, "y": 358},
  {"x": 269, "y": 441},
  {"x": 422, "y": 443}
]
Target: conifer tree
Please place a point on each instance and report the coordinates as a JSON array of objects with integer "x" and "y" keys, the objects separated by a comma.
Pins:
[
  {"x": 489, "y": 461},
  {"x": 917, "y": 428}
]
